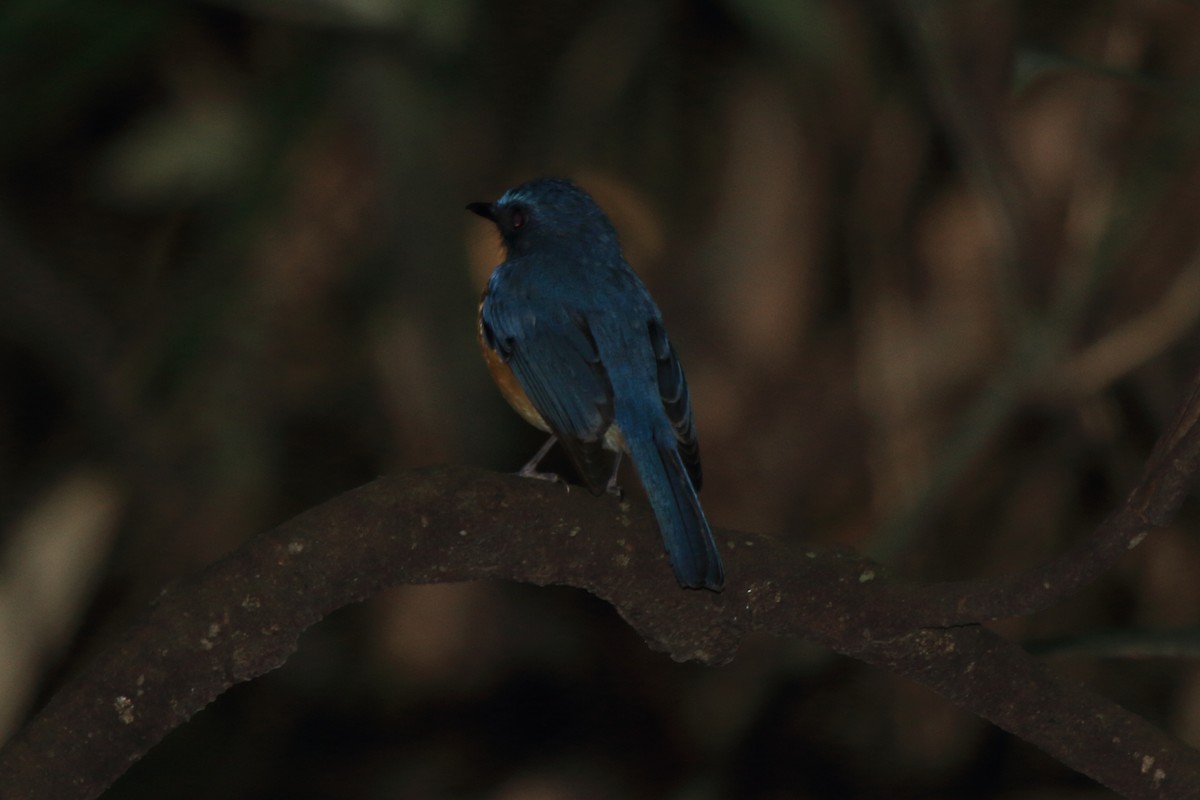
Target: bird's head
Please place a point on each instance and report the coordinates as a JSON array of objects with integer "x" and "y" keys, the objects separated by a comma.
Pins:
[{"x": 549, "y": 214}]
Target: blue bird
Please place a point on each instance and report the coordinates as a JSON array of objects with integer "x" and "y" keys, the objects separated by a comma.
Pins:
[{"x": 578, "y": 348}]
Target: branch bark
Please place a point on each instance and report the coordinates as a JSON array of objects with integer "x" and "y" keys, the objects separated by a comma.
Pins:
[{"x": 242, "y": 616}]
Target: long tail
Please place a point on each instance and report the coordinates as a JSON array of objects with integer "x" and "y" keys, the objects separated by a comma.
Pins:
[{"x": 685, "y": 532}]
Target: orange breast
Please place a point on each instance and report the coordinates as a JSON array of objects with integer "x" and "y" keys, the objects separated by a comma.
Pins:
[{"x": 507, "y": 382}]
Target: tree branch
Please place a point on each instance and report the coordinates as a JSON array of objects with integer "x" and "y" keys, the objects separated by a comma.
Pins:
[
  {"x": 1153, "y": 503},
  {"x": 242, "y": 616}
]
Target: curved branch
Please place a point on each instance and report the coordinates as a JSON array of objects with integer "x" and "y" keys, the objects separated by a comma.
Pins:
[
  {"x": 243, "y": 616},
  {"x": 1153, "y": 503}
]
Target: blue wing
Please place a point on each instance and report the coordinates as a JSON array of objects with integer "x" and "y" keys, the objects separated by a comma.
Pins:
[
  {"x": 673, "y": 391},
  {"x": 554, "y": 356}
]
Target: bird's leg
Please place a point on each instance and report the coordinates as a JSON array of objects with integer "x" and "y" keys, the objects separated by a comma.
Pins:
[
  {"x": 612, "y": 487},
  {"x": 530, "y": 470}
]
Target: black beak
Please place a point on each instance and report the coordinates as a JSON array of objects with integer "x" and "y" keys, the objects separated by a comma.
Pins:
[{"x": 484, "y": 210}]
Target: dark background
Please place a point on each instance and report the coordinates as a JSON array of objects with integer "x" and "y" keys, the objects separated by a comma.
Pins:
[{"x": 933, "y": 270}]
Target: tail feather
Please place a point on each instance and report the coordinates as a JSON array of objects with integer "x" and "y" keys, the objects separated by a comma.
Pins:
[{"x": 685, "y": 532}]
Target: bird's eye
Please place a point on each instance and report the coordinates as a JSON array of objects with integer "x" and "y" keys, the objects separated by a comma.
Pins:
[{"x": 517, "y": 219}]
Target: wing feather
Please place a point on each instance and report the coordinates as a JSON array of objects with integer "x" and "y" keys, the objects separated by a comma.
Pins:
[
  {"x": 554, "y": 356},
  {"x": 673, "y": 390}
]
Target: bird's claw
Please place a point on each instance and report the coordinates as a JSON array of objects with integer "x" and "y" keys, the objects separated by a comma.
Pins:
[{"x": 529, "y": 472}]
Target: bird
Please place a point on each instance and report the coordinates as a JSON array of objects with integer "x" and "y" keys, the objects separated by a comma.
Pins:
[{"x": 578, "y": 348}]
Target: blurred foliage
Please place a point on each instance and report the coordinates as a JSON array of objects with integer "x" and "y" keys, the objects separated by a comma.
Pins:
[{"x": 932, "y": 268}]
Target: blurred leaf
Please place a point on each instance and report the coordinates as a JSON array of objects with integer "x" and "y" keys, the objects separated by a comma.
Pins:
[
  {"x": 1032, "y": 64},
  {"x": 804, "y": 28},
  {"x": 179, "y": 156},
  {"x": 52, "y": 556},
  {"x": 443, "y": 23}
]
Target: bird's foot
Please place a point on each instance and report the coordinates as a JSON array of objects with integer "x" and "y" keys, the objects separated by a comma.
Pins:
[{"x": 530, "y": 471}]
